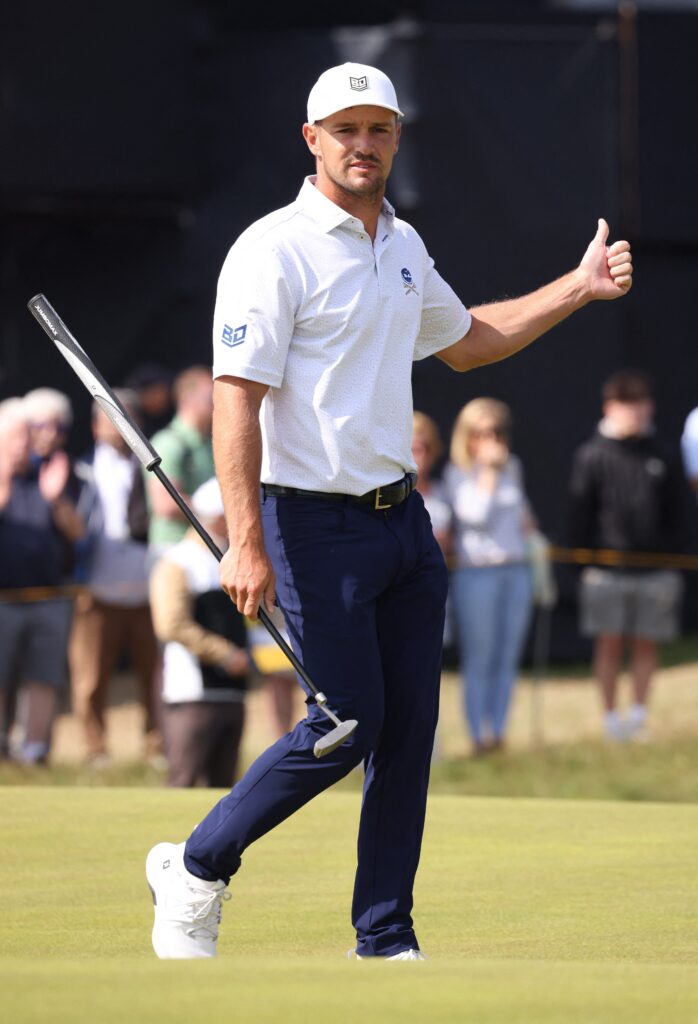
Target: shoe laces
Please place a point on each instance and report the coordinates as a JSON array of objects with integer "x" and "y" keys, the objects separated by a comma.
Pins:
[{"x": 204, "y": 909}]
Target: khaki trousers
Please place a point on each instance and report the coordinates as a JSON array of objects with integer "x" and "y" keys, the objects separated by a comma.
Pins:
[{"x": 101, "y": 632}]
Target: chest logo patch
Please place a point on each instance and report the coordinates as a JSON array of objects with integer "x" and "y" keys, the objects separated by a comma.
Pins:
[
  {"x": 358, "y": 84},
  {"x": 407, "y": 282},
  {"x": 233, "y": 335}
]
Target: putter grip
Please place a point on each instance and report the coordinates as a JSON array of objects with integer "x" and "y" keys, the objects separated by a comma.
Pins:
[{"x": 47, "y": 318}]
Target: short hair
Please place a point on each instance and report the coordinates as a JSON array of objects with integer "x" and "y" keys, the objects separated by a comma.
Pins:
[
  {"x": 628, "y": 386},
  {"x": 427, "y": 427},
  {"x": 467, "y": 421},
  {"x": 42, "y": 403},
  {"x": 188, "y": 380},
  {"x": 13, "y": 410}
]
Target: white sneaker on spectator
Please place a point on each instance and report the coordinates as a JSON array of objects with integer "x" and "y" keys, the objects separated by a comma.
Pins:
[
  {"x": 636, "y": 724},
  {"x": 187, "y": 908},
  {"x": 615, "y": 727}
]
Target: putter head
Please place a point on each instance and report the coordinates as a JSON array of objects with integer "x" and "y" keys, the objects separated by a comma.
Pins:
[{"x": 335, "y": 738}]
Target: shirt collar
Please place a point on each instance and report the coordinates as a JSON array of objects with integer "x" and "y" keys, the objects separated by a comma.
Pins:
[{"x": 326, "y": 214}]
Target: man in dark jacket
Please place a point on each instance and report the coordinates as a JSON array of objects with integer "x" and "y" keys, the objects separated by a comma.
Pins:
[{"x": 626, "y": 498}]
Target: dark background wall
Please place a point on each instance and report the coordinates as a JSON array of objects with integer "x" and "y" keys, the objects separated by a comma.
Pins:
[{"x": 138, "y": 140}]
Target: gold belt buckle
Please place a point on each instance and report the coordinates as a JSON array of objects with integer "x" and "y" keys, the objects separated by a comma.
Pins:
[{"x": 377, "y": 505}]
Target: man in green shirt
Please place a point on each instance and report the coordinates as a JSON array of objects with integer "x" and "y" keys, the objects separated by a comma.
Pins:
[{"x": 187, "y": 457}]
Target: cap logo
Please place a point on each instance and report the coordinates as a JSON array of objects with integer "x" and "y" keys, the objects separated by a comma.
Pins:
[{"x": 359, "y": 84}]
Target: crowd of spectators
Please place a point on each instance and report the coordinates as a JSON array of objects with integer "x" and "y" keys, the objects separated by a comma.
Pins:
[{"x": 98, "y": 564}]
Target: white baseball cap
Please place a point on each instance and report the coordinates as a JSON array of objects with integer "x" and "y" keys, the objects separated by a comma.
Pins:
[
  {"x": 349, "y": 85},
  {"x": 207, "y": 501}
]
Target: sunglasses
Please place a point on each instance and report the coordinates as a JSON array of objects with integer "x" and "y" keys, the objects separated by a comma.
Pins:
[
  {"x": 59, "y": 428},
  {"x": 497, "y": 432}
]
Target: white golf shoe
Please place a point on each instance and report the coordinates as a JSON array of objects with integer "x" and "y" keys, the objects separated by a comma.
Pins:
[
  {"x": 406, "y": 954},
  {"x": 187, "y": 908}
]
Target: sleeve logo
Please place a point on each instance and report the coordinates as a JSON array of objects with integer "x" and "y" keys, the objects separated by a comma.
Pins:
[{"x": 233, "y": 335}]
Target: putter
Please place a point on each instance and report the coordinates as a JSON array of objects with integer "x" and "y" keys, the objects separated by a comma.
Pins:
[{"x": 47, "y": 318}]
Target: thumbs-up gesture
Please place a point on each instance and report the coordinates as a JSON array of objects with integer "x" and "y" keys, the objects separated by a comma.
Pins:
[{"x": 609, "y": 267}]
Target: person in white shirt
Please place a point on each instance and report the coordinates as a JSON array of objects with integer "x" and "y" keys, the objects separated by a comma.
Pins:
[
  {"x": 322, "y": 308},
  {"x": 689, "y": 449},
  {"x": 492, "y": 583}
]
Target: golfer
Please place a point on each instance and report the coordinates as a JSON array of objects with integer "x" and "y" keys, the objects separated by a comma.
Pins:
[{"x": 322, "y": 308}]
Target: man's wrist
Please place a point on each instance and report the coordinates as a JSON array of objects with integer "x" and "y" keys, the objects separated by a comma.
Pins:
[{"x": 581, "y": 291}]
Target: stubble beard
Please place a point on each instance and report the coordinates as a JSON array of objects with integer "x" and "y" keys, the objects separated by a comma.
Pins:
[{"x": 369, "y": 190}]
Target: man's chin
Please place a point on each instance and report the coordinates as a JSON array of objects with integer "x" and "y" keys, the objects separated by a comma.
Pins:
[{"x": 365, "y": 187}]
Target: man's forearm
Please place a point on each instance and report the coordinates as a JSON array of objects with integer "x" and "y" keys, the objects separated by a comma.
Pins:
[
  {"x": 500, "y": 329},
  {"x": 237, "y": 449}
]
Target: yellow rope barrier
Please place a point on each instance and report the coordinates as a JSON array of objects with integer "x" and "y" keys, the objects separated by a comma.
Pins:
[{"x": 624, "y": 559}]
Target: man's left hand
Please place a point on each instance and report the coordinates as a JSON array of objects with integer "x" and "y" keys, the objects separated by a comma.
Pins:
[{"x": 609, "y": 268}]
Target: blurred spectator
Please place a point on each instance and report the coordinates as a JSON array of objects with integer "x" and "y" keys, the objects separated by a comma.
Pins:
[
  {"x": 689, "y": 447},
  {"x": 113, "y": 614},
  {"x": 153, "y": 387},
  {"x": 426, "y": 451},
  {"x": 491, "y": 585},
  {"x": 37, "y": 518},
  {"x": 280, "y": 684},
  {"x": 186, "y": 452},
  {"x": 625, "y": 496},
  {"x": 50, "y": 419},
  {"x": 206, "y": 665}
]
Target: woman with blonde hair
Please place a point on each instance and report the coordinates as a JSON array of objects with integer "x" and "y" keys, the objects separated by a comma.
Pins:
[{"x": 491, "y": 583}]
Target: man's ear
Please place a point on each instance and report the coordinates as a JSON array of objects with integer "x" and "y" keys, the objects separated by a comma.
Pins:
[
  {"x": 398, "y": 127},
  {"x": 310, "y": 134}
]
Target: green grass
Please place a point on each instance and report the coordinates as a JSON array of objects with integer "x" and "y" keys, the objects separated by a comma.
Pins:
[
  {"x": 682, "y": 651},
  {"x": 664, "y": 771},
  {"x": 538, "y": 912}
]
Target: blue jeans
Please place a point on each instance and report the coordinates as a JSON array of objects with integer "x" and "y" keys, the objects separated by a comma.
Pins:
[
  {"x": 363, "y": 594},
  {"x": 493, "y": 609}
]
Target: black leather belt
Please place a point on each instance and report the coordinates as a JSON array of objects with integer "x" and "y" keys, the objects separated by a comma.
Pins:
[{"x": 380, "y": 498}]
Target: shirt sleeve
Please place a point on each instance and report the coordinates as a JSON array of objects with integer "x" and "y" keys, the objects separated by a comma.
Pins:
[
  {"x": 255, "y": 314},
  {"x": 583, "y": 508},
  {"x": 173, "y": 616},
  {"x": 689, "y": 445},
  {"x": 445, "y": 319}
]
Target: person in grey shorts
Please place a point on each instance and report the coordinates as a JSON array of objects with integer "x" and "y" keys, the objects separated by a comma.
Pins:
[
  {"x": 37, "y": 520},
  {"x": 626, "y": 497}
]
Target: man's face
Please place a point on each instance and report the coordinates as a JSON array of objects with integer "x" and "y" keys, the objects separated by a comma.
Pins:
[
  {"x": 47, "y": 435},
  {"x": 354, "y": 148},
  {"x": 200, "y": 403},
  {"x": 105, "y": 432},
  {"x": 630, "y": 419}
]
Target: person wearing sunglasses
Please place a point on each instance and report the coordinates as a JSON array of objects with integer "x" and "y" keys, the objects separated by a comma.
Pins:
[{"x": 491, "y": 582}]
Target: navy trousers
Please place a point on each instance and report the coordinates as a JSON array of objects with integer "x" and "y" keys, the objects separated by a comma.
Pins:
[{"x": 363, "y": 592}]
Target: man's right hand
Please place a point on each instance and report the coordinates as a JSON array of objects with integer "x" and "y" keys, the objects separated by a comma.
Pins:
[{"x": 247, "y": 578}]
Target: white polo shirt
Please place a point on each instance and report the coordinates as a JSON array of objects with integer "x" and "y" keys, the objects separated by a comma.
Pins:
[{"x": 332, "y": 323}]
